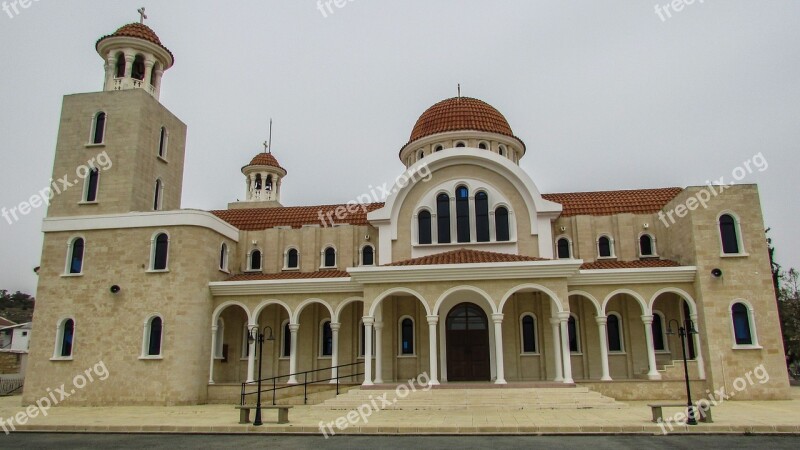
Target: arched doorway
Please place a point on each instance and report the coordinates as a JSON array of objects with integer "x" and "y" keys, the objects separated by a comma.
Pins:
[{"x": 468, "y": 344}]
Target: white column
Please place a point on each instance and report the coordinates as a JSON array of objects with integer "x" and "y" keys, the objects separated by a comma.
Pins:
[
  {"x": 433, "y": 321},
  {"x": 378, "y": 353},
  {"x": 335, "y": 354},
  {"x": 564, "y": 316},
  {"x": 556, "y": 324},
  {"x": 213, "y": 353},
  {"x": 368, "y": 321},
  {"x": 251, "y": 355},
  {"x": 651, "y": 353},
  {"x": 601, "y": 328},
  {"x": 498, "y": 348},
  {"x": 148, "y": 72},
  {"x": 293, "y": 329},
  {"x": 129, "y": 58},
  {"x": 701, "y": 368}
]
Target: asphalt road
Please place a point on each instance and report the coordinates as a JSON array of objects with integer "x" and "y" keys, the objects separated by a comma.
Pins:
[{"x": 241, "y": 442}]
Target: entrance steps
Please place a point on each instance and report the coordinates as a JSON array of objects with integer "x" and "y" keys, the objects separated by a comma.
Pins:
[
  {"x": 673, "y": 371},
  {"x": 474, "y": 398}
]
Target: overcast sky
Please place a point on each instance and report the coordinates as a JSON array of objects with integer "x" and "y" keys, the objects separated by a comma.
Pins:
[{"x": 606, "y": 94}]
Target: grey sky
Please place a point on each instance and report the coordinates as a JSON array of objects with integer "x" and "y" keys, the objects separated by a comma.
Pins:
[{"x": 605, "y": 94}]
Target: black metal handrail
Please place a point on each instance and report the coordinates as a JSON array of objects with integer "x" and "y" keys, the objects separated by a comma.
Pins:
[{"x": 305, "y": 383}]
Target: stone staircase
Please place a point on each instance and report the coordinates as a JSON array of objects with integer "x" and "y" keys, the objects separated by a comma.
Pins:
[
  {"x": 475, "y": 398},
  {"x": 673, "y": 371}
]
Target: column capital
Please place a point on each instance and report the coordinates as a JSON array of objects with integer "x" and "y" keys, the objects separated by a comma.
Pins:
[
  {"x": 601, "y": 320},
  {"x": 497, "y": 318},
  {"x": 294, "y": 327},
  {"x": 564, "y": 316},
  {"x": 378, "y": 326},
  {"x": 214, "y": 328},
  {"x": 336, "y": 326},
  {"x": 367, "y": 319},
  {"x": 555, "y": 321},
  {"x": 433, "y": 320},
  {"x": 647, "y": 319}
]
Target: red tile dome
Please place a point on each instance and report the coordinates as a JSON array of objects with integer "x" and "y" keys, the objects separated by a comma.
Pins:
[
  {"x": 140, "y": 31},
  {"x": 264, "y": 159},
  {"x": 460, "y": 114}
]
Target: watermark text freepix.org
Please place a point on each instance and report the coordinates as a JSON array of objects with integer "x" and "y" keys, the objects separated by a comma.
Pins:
[
  {"x": 325, "y": 7},
  {"x": 55, "y": 396},
  {"x": 56, "y": 187},
  {"x": 12, "y": 7},
  {"x": 664, "y": 13}
]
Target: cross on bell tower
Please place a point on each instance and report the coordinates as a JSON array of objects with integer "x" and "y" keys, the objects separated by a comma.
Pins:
[{"x": 142, "y": 14}]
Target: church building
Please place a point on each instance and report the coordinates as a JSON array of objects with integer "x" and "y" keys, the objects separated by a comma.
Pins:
[{"x": 467, "y": 272}]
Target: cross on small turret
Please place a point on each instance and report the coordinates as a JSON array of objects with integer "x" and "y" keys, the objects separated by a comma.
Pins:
[
  {"x": 266, "y": 146},
  {"x": 142, "y": 14}
]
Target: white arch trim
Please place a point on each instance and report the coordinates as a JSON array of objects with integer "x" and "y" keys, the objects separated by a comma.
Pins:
[
  {"x": 553, "y": 297},
  {"x": 224, "y": 306},
  {"x": 302, "y": 306},
  {"x": 343, "y": 305},
  {"x": 264, "y": 304},
  {"x": 452, "y": 291},
  {"x": 681, "y": 292},
  {"x": 634, "y": 294},
  {"x": 400, "y": 290},
  {"x": 598, "y": 308}
]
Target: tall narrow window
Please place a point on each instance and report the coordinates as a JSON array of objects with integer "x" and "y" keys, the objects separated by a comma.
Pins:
[
  {"x": 528, "y": 334},
  {"x": 91, "y": 185},
  {"x": 160, "y": 252},
  {"x": 162, "y": 143},
  {"x": 67, "y": 335},
  {"x": 659, "y": 340},
  {"x": 223, "y": 257},
  {"x": 407, "y": 336},
  {"x": 482, "y": 216},
  {"x": 368, "y": 256},
  {"x": 501, "y": 225},
  {"x": 443, "y": 218},
  {"x": 138, "y": 71},
  {"x": 604, "y": 248},
  {"x": 76, "y": 257},
  {"x": 563, "y": 249},
  {"x": 424, "y": 227},
  {"x": 330, "y": 257},
  {"x": 154, "y": 329},
  {"x": 99, "y": 128},
  {"x": 120, "y": 65},
  {"x": 268, "y": 184},
  {"x": 614, "y": 333},
  {"x": 258, "y": 182},
  {"x": 326, "y": 345},
  {"x": 729, "y": 234},
  {"x": 287, "y": 340},
  {"x": 646, "y": 245},
  {"x": 255, "y": 260},
  {"x": 741, "y": 324},
  {"x": 292, "y": 259},
  {"x": 574, "y": 338},
  {"x": 462, "y": 214},
  {"x": 157, "y": 195}
]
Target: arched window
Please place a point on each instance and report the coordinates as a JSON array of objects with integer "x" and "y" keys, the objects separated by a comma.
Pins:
[
  {"x": 162, "y": 143},
  {"x": 443, "y": 218},
  {"x": 326, "y": 339},
  {"x": 157, "y": 195},
  {"x": 605, "y": 248},
  {"x": 574, "y": 335},
  {"x": 329, "y": 257},
  {"x": 483, "y": 146},
  {"x": 120, "y": 65},
  {"x": 502, "y": 229},
  {"x": 502, "y": 150},
  {"x": 646, "y": 245},
  {"x": 407, "y": 336},
  {"x": 528, "y": 330},
  {"x": 728, "y": 230},
  {"x": 292, "y": 259},
  {"x": 421, "y": 154},
  {"x": 138, "y": 71},
  {"x": 563, "y": 247},
  {"x": 287, "y": 340},
  {"x": 99, "y": 128},
  {"x": 424, "y": 228},
  {"x": 462, "y": 214},
  {"x": 742, "y": 324},
  {"x": 255, "y": 260},
  {"x": 614, "y": 332},
  {"x": 258, "y": 182},
  {"x": 438, "y": 148},
  {"x": 75, "y": 259},
  {"x": 65, "y": 339},
  {"x": 460, "y": 145},
  {"x": 153, "y": 330},
  {"x": 268, "y": 184},
  {"x": 223, "y": 257},
  {"x": 482, "y": 216},
  {"x": 659, "y": 336},
  {"x": 92, "y": 181},
  {"x": 368, "y": 256},
  {"x": 160, "y": 252}
]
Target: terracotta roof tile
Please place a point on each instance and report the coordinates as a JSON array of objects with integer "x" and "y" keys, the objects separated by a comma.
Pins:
[
  {"x": 295, "y": 217},
  {"x": 264, "y": 159},
  {"x": 639, "y": 264},
  {"x": 464, "y": 256},
  {"x": 137, "y": 30},
  {"x": 289, "y": 275},
  {"x": 606, "y": 203}
]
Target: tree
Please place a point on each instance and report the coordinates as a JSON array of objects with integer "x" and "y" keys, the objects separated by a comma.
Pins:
[{"x": 789, "y": 311}]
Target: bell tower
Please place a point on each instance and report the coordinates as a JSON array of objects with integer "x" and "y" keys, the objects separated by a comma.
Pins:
[{"x": 264, "y": 176}]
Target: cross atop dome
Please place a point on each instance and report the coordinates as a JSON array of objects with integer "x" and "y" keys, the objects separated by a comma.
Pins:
[{"x": 142, "y": 15}]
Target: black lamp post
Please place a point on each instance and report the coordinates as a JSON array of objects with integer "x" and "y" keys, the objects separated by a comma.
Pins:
[
  {"x": 684, "y": 332},
  {"x": 258, "y": 335}
]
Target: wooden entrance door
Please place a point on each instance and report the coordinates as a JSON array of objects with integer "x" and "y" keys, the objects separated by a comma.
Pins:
[{"x": 468, "y": 344}]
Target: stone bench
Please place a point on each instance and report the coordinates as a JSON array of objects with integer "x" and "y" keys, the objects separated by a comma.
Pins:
[
  {"x": 702, "y": 413},
  {"x": 244, "y": 412}
]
